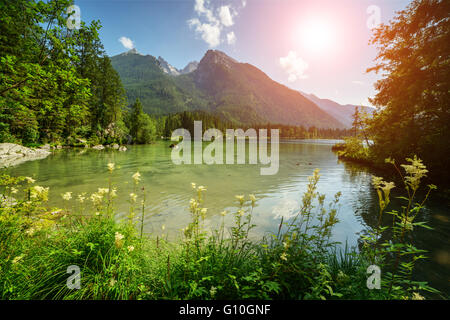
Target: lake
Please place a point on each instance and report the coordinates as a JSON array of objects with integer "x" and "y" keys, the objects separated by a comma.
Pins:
[{"x": 168, "y": 188}]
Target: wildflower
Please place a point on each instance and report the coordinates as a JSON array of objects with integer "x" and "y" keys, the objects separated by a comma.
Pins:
[
  {"x": 111, "y": 167},
  {"x": 118, "y": 240},
  {"x": 14, "y": 190},
  {"x": 82, "y": 197},
  {"x": 130, "y": 248},
  {"x": 285, "y": 245},
  {"x": 113, "y": 193},
  {"x": 67, "y": 196},
  {"x": 240, "y": 199},
  {"x": 30, "y": 180},
  {"x": 252, "y": 198},
  {"x": 193, "y": 185},
  {"x": 97, "y": 213},
  {"x": 241, "y": 212},
  {"x": 112, "y": 282},
  {"x": 201, "y": 188},
  {"x": 17, "y": 259},
  {"x": 389, "y": 160},
  {"x": 417, "y": 296},
  {"x": 30, "y": 231},
  {"x": 103, "y": 191},
  {"x": 213, "y": 291},
  {"x": 96, "y": 198},
  {"x": 133, "y": 197},
  {"x": 39, "y": 193},
  {"x": 163, "y": 227},
  {"x": 137, "y": 177},
  {"x": 415, "y": 172},
  {"x": 224, "y": 213},
  {"x": 284, "y": 256}
]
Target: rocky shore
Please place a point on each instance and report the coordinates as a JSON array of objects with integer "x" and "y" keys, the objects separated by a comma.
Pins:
[{"x": 13, "y": 154}]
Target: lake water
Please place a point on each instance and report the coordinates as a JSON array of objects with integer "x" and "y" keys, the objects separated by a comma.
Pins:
[{"x": 168, "y": 188}]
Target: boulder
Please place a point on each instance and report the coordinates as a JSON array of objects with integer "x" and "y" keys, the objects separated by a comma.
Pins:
[
  {"x": 115, "y": 146},
  {"x": 98, "y": 147},
  {"x": 123, "y": 148}
]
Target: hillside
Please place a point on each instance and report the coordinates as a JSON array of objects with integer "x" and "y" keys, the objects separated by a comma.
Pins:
[
  {"x": 343, "y": 113},
  {"x": 237, "y": 92}
]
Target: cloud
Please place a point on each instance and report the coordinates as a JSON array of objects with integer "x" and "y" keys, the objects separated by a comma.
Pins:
[
  {"x": 231, "y": 38},
  {"x": 126, "y": 42},
  {"x": 211, "y": 21},
  {"x": 210, "y": 33},
  {"x": 225, "y": 16},
  {"x": 294, "y": 66}
]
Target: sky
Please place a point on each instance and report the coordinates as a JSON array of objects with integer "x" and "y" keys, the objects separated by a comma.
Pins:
[{"x": 315, "y": 46}]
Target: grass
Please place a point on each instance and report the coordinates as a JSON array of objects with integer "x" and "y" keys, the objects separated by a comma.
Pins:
[{"x": 38, "y": 245}]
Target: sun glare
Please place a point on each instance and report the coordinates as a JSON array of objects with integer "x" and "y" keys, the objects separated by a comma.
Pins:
[{"x": 317, "y": 35}]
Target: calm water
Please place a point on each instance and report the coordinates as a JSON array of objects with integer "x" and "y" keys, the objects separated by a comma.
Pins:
[{"x": 169, "y": 190}]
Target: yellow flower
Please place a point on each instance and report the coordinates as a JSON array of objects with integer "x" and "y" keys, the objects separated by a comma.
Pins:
[
  {"x": 252, "y": 198},
  {"x": 284, "y": 256},
  {"x": 201, "y": 188},
  {"x": 241, "y": 212},
  {"x": 14, "y": 190},
  {"x": 133, "y": 197},
  {"x": 163, "y": 227},
  {"x": 82, "y": 197},
  {"x": 111, "y": 167},
  {"x": 130, "y": 248},
  {"x": 240, "y": 199},
  {"x": 137, "y": 177},
  {"x": 39, "y": 193},
  {"x": 118, "y": 240},
  {"x": 193, "y": 185},
  {"x": 112, "y": 282},
  {"x": 417, "y": 296},
  {"x": 67, "y": 196},
  {"x": 224, "y": 213},
  {"x": 113, "y": 193},
  {"x": 30, "y": 180}
]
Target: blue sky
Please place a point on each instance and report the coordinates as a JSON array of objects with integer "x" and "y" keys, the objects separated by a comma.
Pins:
[{"x": 316, "y": 46}]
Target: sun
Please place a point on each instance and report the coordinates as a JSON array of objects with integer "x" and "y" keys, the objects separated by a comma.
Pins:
[{"x": 317, "y": 35}]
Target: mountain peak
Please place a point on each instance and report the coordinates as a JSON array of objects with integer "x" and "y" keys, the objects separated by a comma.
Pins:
[
  {"x": 217, "y": 57},
  {"x": 168, "y": 68},
  {"x": 190, "y": 67},
  {"x": 132, "y": 51}
]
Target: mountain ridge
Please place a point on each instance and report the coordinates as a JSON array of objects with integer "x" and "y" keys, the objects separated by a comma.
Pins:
[{"x": 236, "y": 91}]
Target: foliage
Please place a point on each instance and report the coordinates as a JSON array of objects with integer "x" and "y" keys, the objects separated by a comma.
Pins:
[
  {"x": 56, "y": 84},
  {"x": 413, "y": 95}
]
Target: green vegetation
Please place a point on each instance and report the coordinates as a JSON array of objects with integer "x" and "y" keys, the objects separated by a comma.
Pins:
[
  {"x": 56, "y": 85},
  {"x": 118, "y": 261},
  {"x": 413, "y": 96}
]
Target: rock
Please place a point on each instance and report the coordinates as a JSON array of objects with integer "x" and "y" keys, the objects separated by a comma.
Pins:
[
  {"x": 59, "y": 146},
  {"x": 46, "y": 147},
  {"x": 98, "y": 147},
  {"x": 82, "y": 141},
  {"x": 12, "y": 154},
  {"x": 123, "y": 148},
  {"x": 115, "y": 146}
]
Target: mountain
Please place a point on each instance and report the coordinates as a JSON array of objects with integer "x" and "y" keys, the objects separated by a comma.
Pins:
[
  {"x": 149, "y": 79},
  {"x": 191, "y": 66},
  {"x": 167, "y": 68},
  {"x": 235, "y": 91},
  {"x": 343, "y": 113}
]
